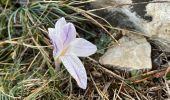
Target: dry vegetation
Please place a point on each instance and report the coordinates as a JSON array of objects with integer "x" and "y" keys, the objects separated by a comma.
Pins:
[{"x": 27, "y": 68}]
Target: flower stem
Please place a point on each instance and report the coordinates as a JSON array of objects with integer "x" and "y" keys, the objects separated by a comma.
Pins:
[{"x": 57, "y": 65}]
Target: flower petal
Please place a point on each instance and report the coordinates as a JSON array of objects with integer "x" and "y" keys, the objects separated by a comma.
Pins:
[
  {"x": 75, "y": 67},
  {"x": 82, "y": 48},
  {"x": 59, "y": 25},
  {"x": 56, "y": 41},
  {"x": 69, "y": 34}
]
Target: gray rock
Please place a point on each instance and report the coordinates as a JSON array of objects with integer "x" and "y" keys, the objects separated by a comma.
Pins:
[
  {"x": 152, "y": 19},
  {"x": 159, "y": 27}
]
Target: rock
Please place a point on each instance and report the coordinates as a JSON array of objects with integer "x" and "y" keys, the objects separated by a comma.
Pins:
[
  {"x": 115, "y": 14},
  {"x": 152, "y": 19},
  {"x": 133, "y": 52},
  {"x": 159, "y": 27},
  {"x": 111, "y": 3}
]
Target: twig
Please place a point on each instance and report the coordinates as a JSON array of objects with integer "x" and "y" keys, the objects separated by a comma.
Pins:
[{"x": 106, "y": 70}]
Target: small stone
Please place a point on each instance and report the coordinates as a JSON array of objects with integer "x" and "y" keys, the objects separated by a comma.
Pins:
[{"x": 133, "y": 52}]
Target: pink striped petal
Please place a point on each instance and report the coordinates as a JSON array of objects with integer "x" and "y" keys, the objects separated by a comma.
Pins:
[
  {"x": 69, "y": 34},
  {"x": 59, "y": 25},
  {"x": 75, "y": 67},
  {"x": 81, "y": 48},
  {"x": 56, "y": 41}
]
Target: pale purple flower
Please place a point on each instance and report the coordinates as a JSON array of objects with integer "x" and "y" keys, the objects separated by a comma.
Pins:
[{"x": 67, "y": 49}]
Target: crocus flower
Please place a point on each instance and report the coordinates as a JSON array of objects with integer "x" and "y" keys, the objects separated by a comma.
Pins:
[{"x": 67, "y": 48}]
